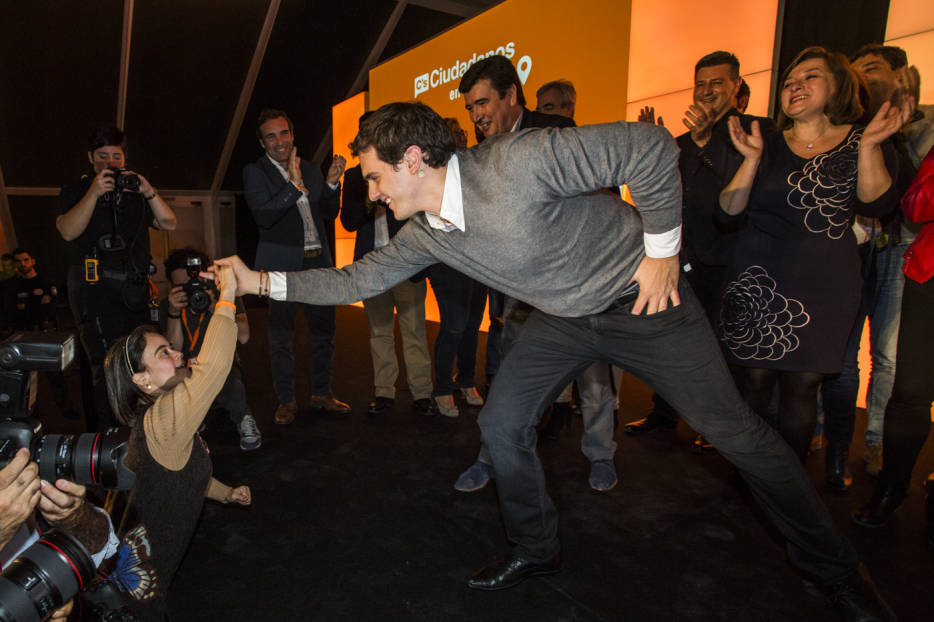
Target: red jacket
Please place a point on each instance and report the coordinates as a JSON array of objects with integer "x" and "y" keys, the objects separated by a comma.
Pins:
[{"x": 918, "y": 206}]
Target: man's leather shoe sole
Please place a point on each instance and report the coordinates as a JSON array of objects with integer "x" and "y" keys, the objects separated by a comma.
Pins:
[
  {"x": 505, "y": 573},
  {"x": 647, "y": 425}
]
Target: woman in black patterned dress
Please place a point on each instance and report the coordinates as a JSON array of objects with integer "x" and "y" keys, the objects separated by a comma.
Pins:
[{"x": 794, "y": 288}]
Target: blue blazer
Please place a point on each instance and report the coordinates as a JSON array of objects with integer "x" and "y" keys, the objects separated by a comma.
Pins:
[{"x": 273, "y": 203}]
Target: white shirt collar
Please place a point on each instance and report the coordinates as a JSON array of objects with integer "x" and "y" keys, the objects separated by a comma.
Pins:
[
  {"x": 515, "y": 126},
  {"x": 452, "y": 201},
  {"x": 276, "y": 164}
]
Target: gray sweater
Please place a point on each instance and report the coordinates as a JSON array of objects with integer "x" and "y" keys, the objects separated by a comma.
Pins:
[{"x": 537, "y": 225}]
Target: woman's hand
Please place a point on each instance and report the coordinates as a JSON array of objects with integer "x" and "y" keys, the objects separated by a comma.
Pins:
[
  {"x": 240, "y": 495},
  {"x": 888, "y": 120},
  {"x": 247, "y": 280},
  {"x": 749, "y": 145},
  {"x": 226, "y": 280}
]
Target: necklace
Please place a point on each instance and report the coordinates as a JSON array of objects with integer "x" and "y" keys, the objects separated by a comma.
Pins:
[{"x": 810, "y": 145}]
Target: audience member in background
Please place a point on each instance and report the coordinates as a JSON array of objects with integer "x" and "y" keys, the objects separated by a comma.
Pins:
[
  {"x": 883, "y": 242},
  {"x": 107, "y": 227},
  {"x": 7, "y": 272},
  {"x": 794, "y": 287},
  {"x": 493, "y": 97},
  {"x": 185, "y": 328},
  {"x": 919, "y": 133},
  {"x": 293, "y": 206},
  {"x": 460, "y": 303},
  {"x": 556, "y": 97},
  {"x": 375, "y": 226},
  {"x": 34, "y": 310},
  {"x": 164, "y": 401},
  {"x": 707, "y": 163},
  {"x": 907, "y": 422},
  {"x": 742, "y": 97}
]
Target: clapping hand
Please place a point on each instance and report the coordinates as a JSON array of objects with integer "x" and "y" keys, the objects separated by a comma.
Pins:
[
  {"x": 338, "y": 164},
  {"x": 749, "y": 145},
  {"x": 889, "y": 119},
  {"x": 699, "y": 122},
  {"x": 647, "y": 115}
]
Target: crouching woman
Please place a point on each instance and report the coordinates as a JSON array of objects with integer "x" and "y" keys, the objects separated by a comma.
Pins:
[{"x": 151, "y": 390}]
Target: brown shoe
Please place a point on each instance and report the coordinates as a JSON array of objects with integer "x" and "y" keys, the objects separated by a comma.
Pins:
[
  {"x": 285, "y": 413},
  {"x": 330, "y": 404}
]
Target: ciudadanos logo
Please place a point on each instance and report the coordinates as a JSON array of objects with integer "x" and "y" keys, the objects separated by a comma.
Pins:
[{"x": 444, "y": 75}]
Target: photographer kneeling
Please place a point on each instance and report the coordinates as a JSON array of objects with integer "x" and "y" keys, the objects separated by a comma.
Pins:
[
  {"x": 185, "y": 316},
  {"x": 61, "y": 505},
  {"x": 164, "y": 402}
]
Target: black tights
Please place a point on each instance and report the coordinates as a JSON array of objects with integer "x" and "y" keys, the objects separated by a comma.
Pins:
[{"x": 797, "y": 405}]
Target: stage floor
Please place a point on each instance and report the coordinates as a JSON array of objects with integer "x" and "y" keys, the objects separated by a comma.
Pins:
[{"x": 356, "y": 518}]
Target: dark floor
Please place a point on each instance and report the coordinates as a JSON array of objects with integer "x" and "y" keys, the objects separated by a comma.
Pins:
[{"x": 356, "y": 518}]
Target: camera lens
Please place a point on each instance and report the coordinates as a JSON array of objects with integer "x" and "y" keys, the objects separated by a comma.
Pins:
[
  {"x": 46, "y": 576},
  {"x": 87, "y": 459},
  {"x": 199, "y": 301}
]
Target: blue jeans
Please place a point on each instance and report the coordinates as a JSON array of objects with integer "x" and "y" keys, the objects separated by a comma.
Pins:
[
  {"x": 883, "y": 284},
  {"x": 460, "y": 302},
  {"x": 676, "y": 353}
]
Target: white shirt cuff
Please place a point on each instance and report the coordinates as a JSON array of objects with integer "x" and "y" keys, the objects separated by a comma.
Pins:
[
  {"x": 333, "y": 186},
  {"x": 110, "y": 547},
  {"x": 277, "y": 285},
  {"x": 662, "y": 245}
]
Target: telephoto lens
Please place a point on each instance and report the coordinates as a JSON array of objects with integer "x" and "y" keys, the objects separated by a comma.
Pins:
[
  {"x": 87, "y": 459},
  {"x": 44, "y": 577}
]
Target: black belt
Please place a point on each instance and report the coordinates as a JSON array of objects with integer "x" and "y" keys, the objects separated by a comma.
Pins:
[{"x": 312, "y": 252}]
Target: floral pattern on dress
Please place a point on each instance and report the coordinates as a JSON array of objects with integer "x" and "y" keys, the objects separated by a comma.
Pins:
[
  {"x": 757, "y": 321},
  {"x": 824, "y": 188}
]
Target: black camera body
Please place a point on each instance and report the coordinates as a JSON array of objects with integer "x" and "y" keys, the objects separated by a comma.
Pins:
[
  {"x": 123, "y": 182},
  {"x": 87, "y": 459},
  {"x": 197, "y": 289}
]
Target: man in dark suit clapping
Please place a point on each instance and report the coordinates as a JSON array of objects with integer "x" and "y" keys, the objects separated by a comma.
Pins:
[{"x": 292, "y": 203}]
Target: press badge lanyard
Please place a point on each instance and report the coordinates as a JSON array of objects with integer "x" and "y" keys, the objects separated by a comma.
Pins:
[{"x": 192, "y": 338}]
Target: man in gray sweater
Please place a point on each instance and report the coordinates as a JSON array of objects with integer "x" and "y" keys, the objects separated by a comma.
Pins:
[{"x": 523, "y": 213}]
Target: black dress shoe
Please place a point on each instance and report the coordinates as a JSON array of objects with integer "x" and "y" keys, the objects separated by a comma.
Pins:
[
  {"x": 650, "y": 424},
  {"x": 885, "y": 500},
  {"x": 856, "y": 599},
  {"x": 380, "y": 406},
  {"x": 560, "y": 419},
  {"x": 505, "y": 573},
  {"x": 423, "y": 408},
  {"x": 838, "y": 475}
]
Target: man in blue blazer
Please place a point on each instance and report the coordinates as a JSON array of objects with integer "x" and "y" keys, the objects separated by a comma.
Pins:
[{"x": 293, "y": 206}]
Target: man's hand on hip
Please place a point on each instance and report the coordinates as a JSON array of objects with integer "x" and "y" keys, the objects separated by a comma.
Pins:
[{"x": 658, "y": 284}]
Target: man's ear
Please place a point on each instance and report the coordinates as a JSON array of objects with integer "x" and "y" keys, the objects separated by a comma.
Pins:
[
  {"x": 91, "y": 158},
  {"x": 412, "y": 158},
  {"x": 512, "y": 95},
  {"x": 736, "y": 84}
]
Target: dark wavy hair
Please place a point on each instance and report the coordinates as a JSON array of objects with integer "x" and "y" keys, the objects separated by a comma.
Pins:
[
  {"x": 393, "y": 128},
  {"x": 499, "y": 71},
  {"x": 843, "y": 105},
  {"x": 124, "y": 359},
  {"x": 894, "y": 56}
]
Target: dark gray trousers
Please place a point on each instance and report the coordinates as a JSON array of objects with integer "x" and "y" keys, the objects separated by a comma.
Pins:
[{"x": 674, "y": 352}]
